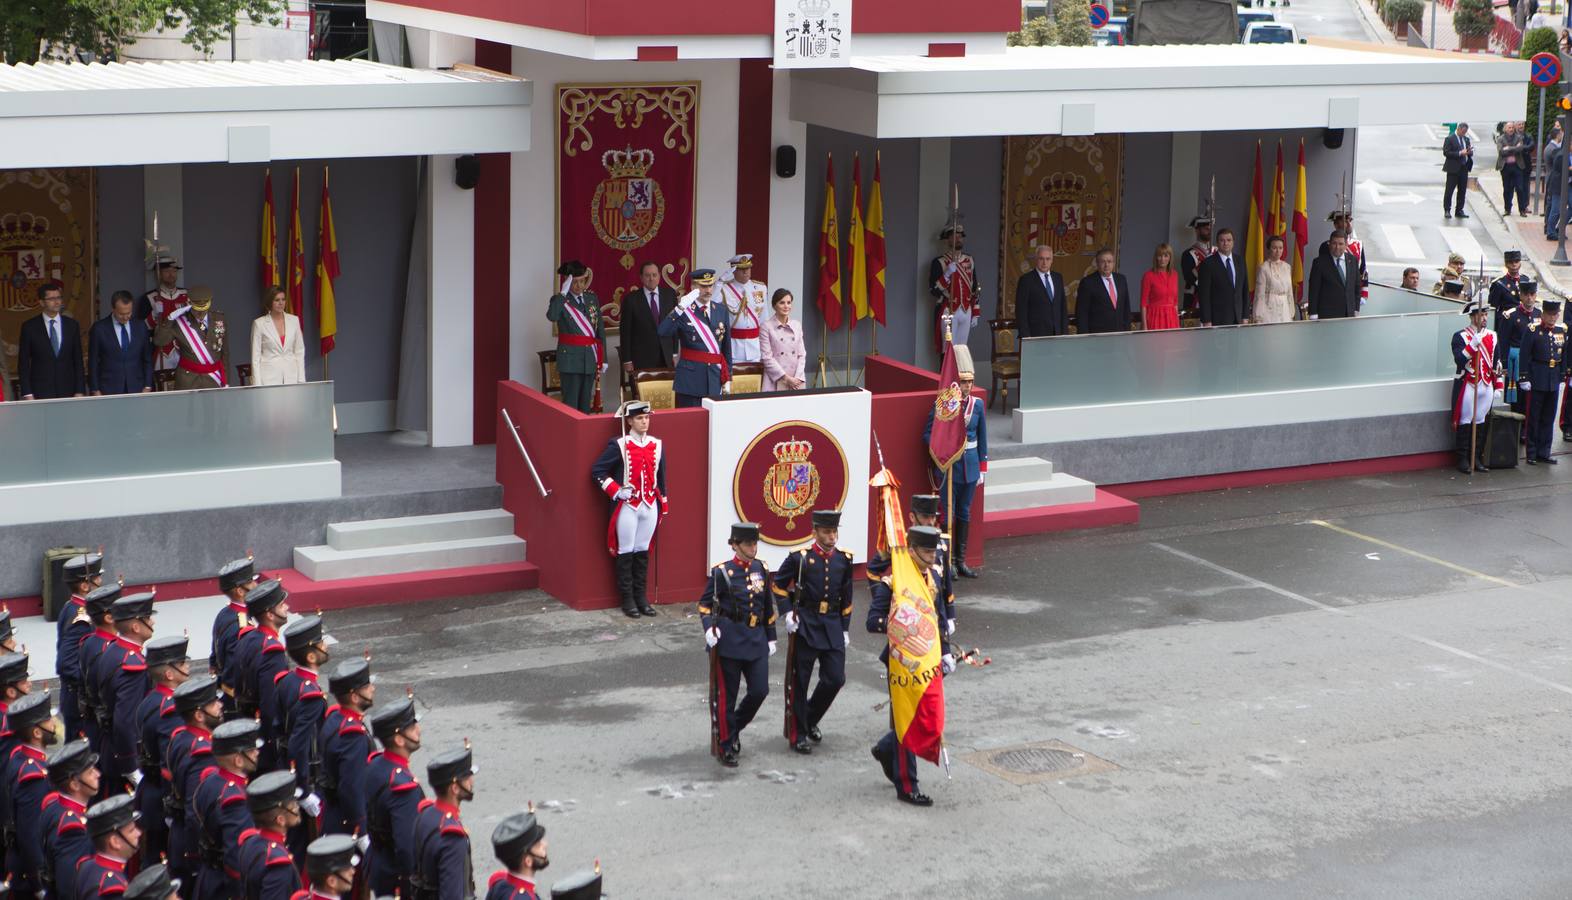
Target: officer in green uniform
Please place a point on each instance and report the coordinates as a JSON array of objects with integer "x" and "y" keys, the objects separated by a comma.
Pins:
[{"x": 581, "y": 336}]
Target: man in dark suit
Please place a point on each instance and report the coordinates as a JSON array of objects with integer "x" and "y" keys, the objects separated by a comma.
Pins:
[
  {"x": 1222, "y": 283},
  {"x": 50, "y": 361},
  {"x": 1040, "y": 307},
  {"x": 642, "y": 311},
  {"x": 1332, "y": 290},
  {"x": 1102, "y": 300},
  {"x": 119, "y": 351},
  {"x": 1458, "y": 148}
]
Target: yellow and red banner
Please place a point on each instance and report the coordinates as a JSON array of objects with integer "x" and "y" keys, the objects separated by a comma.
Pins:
[
  {"x": 1255, "y": 231},
  {"x": 830, "y": 253},
  {"x": 296, "y": 286},
  {"x": 1301, "y": 224},
  {"x": 915, "y": 644},
  {"x": 947, "y": 438},
  {"x": 327, "y": 270},
  {"x": 268, "y": 251},
  {"x": 873, "y": 226},
  {"x": 856, "y": 248},
  {"x": 1274, "y": 211}
]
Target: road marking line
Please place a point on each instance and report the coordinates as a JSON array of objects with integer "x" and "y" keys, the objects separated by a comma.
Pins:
[
  {"x": 1347, "y": 614},
  {"x": 1417, "y": 555},
  {"x": 1461, "y": 240},
  {"x": 1400, "y": 239}
]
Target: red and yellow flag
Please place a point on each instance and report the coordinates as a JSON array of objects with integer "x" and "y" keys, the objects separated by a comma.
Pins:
[
  {"x": 947, "y": 436},
  {"x": 830, "y": 254},
  {"x": 915, "y": 644},
  {"x": 1301, "y": 224},
  {"x": 873, "y": 227},
  {"x": 296, "y": 286},
  {"x": 327, "y": 270},
  {"x": 856, "y": 247},
  {"x": 1255, "y": 236},
  {"x": 1274, "y": 209},
  {"x": 268, "y": 251}
]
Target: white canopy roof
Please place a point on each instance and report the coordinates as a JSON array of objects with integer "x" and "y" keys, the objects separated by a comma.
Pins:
[
  {"x": 72, "y": 114},
  {"x": 1091, "y": 90}
]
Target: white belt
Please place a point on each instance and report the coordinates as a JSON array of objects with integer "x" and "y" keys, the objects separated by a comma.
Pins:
[{"x": 971, "y": 445}]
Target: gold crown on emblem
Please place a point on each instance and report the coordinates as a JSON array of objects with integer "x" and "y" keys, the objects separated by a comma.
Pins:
[
  {"x": 814, "y": 8},
  {"x": 629, "y": 163},
  {"x": 793, "y": 451}
]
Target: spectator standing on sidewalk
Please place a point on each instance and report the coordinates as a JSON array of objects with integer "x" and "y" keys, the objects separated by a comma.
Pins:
[
  {"x": 1512, "y": 151},
  {"x": 1458, "y": 149},
  {"x": 1555, "y": 159}
]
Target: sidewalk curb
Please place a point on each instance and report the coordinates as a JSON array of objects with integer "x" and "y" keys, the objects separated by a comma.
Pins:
[
  {"x": 1506, "y": 237},
  {"x": 1375, "y": 29}
]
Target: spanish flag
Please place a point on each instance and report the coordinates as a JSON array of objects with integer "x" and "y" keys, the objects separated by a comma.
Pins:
[
  {"x": 268, "y": 252},
  {"x": 915, "y": 645},
  {"x": 1255, "y": 240},
  {"x": 296, "y": 286},
  {"x": 856, "y": 245},
  {"x": 1301, "y": 223},
  {"x": 1274, "y": 211},
  {"x": 830, "y": 254},
  {"x": 327, "y": 270},
  {"x": 873, "y": 227}
]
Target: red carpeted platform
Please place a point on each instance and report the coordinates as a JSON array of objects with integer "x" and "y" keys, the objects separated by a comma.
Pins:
[{"x": 1108, "y": 509}]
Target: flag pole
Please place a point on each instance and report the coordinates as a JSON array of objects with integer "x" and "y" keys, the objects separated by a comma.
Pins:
[
  {"x": 824, "y": 340},
  {"x": 850, "y": 327}
]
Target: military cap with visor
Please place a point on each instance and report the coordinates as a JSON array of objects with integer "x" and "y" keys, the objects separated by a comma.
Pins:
[{"x": 237, "y": 736}]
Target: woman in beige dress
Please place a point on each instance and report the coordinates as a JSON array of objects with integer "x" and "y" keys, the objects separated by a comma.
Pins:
[
  {"x": 1274, "y": 285},
  {"x": 781, "y": 348},
  {"x": 278, "y": 346}
]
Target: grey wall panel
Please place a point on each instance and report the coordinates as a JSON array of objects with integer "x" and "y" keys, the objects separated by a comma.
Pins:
[{"x": 121, "y": 253}]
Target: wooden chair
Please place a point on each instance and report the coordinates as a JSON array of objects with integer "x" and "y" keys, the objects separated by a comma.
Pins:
[
  {"x": 747, "y": 378},
  {"x": 1006, "y": 364},
  {"x": 164, "y": 380},
  {"x": 16, "y": 389},
  {"x": 654, "y": 386},
  {"x": 243, "y": 373},
  {"x": 624, "y": 378},
  {"x": 550, "y": 382}
]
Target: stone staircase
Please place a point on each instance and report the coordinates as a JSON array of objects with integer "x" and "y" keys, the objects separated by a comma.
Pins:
[
  {"x": 378, "y": 547},
  {"x": 1029, "y": 482}
]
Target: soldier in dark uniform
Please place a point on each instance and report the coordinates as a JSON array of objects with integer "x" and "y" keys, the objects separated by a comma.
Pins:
[
  {"x": 82, "y": 574},
  {"x": 1542, "y": 368},
  {"x": 1190, "y": 263},
  {"x": 1511, "y": 326},
  {"x": 699, "y": 324},
  {"x": 969, "y": 471},
  {"x": 96, "y": 606},
  {"x": 813, "y": 589},
  {"x": 581, "y": 336},
  {"x": 7, "y": 630},
  {"x": 898, "y": 763},
  {"x": 153, "y": 883},
  {"x": 188, "y": 754},
  {"x": 739, "y": 630},
  {"x": 393, "y": 798},
  {"x": 331, "y": 862},
  {"x": 121, "y": 674},
  {"x": 259, "y": 659},
  {"x": 300, "y": 705},
  {"x": 442, "y": 863},
  {"x": 115, "y": 834},
  {"x": 26, "y": 780},
  {"x": 1504, "y": 291},
  {"x": 15, "y": 684},
  {"x": 578, "y": 886},
  {"x": 218, "y": 813},
  {"x": 156, "y": 719},
  {"x": 62, "y": 826},
  {"x": 235, "y": 580},
  {"x": 345, "y": 747},
  {"x": 267, "y": 870},
  {"x": 519, "y": 843}
]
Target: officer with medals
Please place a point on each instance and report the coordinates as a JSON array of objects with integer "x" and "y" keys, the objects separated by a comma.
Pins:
[
  {"x": 699, "y": 323},
  {"x": 441, "y": 843},
  {"x": 739, "y": 630},
  {"x": 81, "y": 574},
  {"x": 189, "y": 754},
  {"x": 331, "y": 862},
  {"x": 235, "y": 580},
  {"x": 62, "y": 826},
  {"x": 267, "y": 870},
  {"x": 121, "y": 674},
  {"x": 1190, "y": 262},
  {"x": 813, "y": 590},
  {"x": 259, "y": 659},
  {"x": 1511, "y": 327},
  {"x": 153, "y": 883},
  {"x": 156, "y": 719},
  {"x": 345, "y": 747},
  {"x": 1542, "y": 368},
  {"x": 581, "y": 336},
  {"x": 952, "y": 280},
  {"x": 968, "y": 472},
  {"x": 746, "y": 301},
  {"x": 157, "y": 305},
  {"x": 393, "y": 798},
  {"x": 96, "y": 606},
  {"x": 1504, "y": 291},
  {"x": 201, "y": 338},
  {"x": 519, "y": 843},
  {"x": 218, "y": 813},
  {"x": 112, "y": 826},
  {"x": 632, "y": 472},
  {"x": 898, "y": 763},
  {"x": 26, "y": 781}
]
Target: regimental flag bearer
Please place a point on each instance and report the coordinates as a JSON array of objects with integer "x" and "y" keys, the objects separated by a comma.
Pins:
[
  {"x": 957, "y": 439},
  {"x": 1477, "y": 386},
  {"x": 813, "y": 590},
  {"x": 739, "y": 630}
]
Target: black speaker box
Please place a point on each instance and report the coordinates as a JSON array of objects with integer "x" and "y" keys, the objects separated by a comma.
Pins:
[
  {"x": 466, "y": 172},
  {"x": 785, "y": 160},
  {"x": 1332, "y": 138},
  {"x": 1502, "y": 449}
]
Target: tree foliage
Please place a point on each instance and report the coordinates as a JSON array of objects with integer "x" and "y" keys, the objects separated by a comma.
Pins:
[
  {"x": 1039, "y": 32},
  {"x": 1473, "y": 18},
  {"x": 1073, "y": 19},
  {"x": 34, "y": 29}
]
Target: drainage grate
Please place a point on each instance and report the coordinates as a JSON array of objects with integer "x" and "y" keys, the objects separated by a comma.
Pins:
[
  {"x": 1040, "y": 761},
  {"x": 1036, "y": 760}
]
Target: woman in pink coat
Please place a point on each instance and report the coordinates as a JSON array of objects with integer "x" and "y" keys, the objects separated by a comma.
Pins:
[{"x": 781, "y": 348}]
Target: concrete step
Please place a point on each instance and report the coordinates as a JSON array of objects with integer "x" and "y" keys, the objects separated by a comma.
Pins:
[
  {"x": 1055, "y": 491},
  {"x": 406, "y": 530},
  {"x": 324, "y": 563},
  {"x": 1018, "y": 470}
]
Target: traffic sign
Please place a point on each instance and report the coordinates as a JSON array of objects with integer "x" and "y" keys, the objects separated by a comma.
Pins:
[
  {"x": 1544, "y": 69},
  {"x": 1099, "y": 16}
]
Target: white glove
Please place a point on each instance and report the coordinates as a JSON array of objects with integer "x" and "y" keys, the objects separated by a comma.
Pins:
[
  {"x": 981, "y": 477},
  {"x": 711, "y": 637},
  {"x": 135, "y": 777},
  {"x": 847, "y": 636},
  {"x": 772, "y": 648},
  {"x": 725, "y": 388},
  {"x": 602, "y": 369},
  {"x": 179, "y": 312},
  {"x": 363, "y": 842},
  {"x": 1525, "y": 385},
  {"x": 949, "y": 627},
  {"x": 625, "y": 493},
  {"x": 947, "y": 664},
  {"x": 1499, "y": 395},
  {"x": 312, "y": 804},
  {"x": 949, "y": 269},
  {"x": 688, "y": 299},
  {"x": 1314, "y": 317},
  {"x": 791, "y": 622}
]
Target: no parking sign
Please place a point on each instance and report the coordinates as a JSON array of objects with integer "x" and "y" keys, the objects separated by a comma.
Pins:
[
  {"x": 1544, "y": 69},
  {"x": 1099, "y": 18}
]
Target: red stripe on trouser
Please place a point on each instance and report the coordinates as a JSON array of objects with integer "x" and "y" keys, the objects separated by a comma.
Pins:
[
  {"x": 722, "y": 708},
  {"x": 902, "y": 769},
  {"x": 792, "y": 698}
]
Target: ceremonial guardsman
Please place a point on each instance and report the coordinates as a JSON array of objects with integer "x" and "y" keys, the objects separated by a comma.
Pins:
[
  {"x": 1478, "y": 383},
  {"x": 331, "y": 861},
  {"x": 82, "y": 574},
  {"x": 201, "y": 337},
  {"x": 968, "y": 472},
  {"x": 157, "y": 718},
  {"x": 346, "y": 745},
  {"x": 260, "y": 659},
  {"x": 122, "y": 681},
  {"x": 813, "y": 589},
  {"x": 583, "y": 885},
  {"x": 393, "y": 798},
  {"x": 267, "y": 870},
  {"x": 112, "y": 826},
  {"x": 1190, "y": 262},
  {"x": 300, "y": 704},
  {"x": 26, "y": 780},
  {"x": 157, "y": 305},
  {"x": 442, "y": 863},
  {"x": 1542, "y": 368},
  {"x": 218, "y": 813},
  {"x": 96, "y": 607},
  {"x": 189, "y": 754},
  {"x": 581, "y": 336},
  {"x": 519, "y": 843},
  {"x": 699, "y": 323},
  {"x": 7, "y": 630},
  {"x": 747, "y": 303},
  {"x": 739, "y": 630},
  {"x": 235, "y": 580},
  {"x": 153, "y": 883},
  {"x": 1505, "y": 292},
  {"x": 15, "y": 683},
  {"x": 900, "y": 764},
  {"x": 73, "y": 774},
  {"x": 952, "y": 280},
  {"x": 632, "y": 472}
]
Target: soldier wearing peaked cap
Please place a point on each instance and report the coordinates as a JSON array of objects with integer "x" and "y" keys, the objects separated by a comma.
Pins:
[
  {"x": 25, "y": 783},
  {"x": 259, "y": 658},
  {"x": 1190, "y": 262},
  {"x": 519, "y": 843},
  {"x": 578, "y": 886},
  {"x": 267, "y": 869},
  {"x": 331, "y": 862},
  {"x": 157, "y": 717},
  {"x": 15, "y": 683},
  {"x": 300, "y": 704},
  {"x": 73, "y": 774},
  {"x": 813, "y": 590},
  {"x": 82, "y": 574},
  {"x": 188, "y": 755},
  {"x": 1542, "y": 369},
  {"x": 632, "y": 472},
  {"x": 218, "y": 813},
  {"x": 699, "y": 324},
  {"x": 739, "y": 630},
  {"x": 393, "y": 798},
  {"x": 7, "y": 630},
  {"x": 121, "y": 676},
  {"x": 581, "y": 335},
  {"x": 153, "y": 883},
  {"x": 235, "y": 580},
  {"x": 442, "y": 862},
  {"x": 925, "y": 511},
  {"x": 1505, "y": 291},
  {"x": 346, "y": 745},
  {"x": 97, "y": 607},
  {"x": 112, "y": 826},
  {"x": 746, "y": 303}
]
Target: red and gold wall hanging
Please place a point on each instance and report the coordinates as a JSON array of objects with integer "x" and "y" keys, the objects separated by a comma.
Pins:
[{"x": 47, "y": 233}]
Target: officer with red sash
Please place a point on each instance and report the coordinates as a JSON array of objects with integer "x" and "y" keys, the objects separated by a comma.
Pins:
[
  {"x": 581, "y": 336},
  {"x": 632, "y": 472},
  {"x": 739, "y": 630},
  {"x": 704, "y": 343},
  {"x": 201, "y": 337},
  {"x": 746, "y": 301}
]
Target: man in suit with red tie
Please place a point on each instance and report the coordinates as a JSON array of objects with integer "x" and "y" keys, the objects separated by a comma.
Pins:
[
  {"x": 1221, "y": 286},
  {"x": 1040, "y": 308},
  {"x": 643, "y": 308},
  {"x": 1102, "y": 301}
]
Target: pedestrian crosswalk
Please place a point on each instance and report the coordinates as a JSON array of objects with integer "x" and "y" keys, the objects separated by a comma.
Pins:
[
  {"x": 1402, "y": 243},
  {"x": 1391, "y": 247}
]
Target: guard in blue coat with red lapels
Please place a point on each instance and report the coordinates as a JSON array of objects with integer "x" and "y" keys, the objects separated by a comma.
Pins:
[
  {"x": 813, "y": 589},
  {"x": 443, "y": 870},
  {"x": 704, "y": 342},
  {"x": 739, "y": 630}
]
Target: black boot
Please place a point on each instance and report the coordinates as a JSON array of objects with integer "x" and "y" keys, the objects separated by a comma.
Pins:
[
  {"x": 1481, "y": 458},
  {"x": 1462, "y": 449},
  {"x": 641, "y": 569},
  {"x": 625, "y": 585},
  {"x": 962, "y": 533}
]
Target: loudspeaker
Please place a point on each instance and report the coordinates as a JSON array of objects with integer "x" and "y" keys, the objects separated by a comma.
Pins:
[
  {"x": 1501, "y": 445},
  {"x": 466, "y": 172},
  {"x": 1332, "y": 138},
  {"x": 785, "y": 160}
]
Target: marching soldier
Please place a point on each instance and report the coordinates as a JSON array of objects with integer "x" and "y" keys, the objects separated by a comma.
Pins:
[
  {"x": 188, "y": 755},
  {"x": 112, "y": 825},
  {"x": 267, "y": 870},
  {"x": 899, "y": 763},
  {"x": 82, "y": 575},
  {"x": 578, "y": 886},
  {"x": 1190, "y": 263},
  {"x": 122, "y": 683},
  {"x": 218, "y": 812},
  {"x": 331, "y": 862},
  {"x": 259, "y": 659},
  {"x": 1542, "y": 368},
  {"x": 968, "y": 472},
  {"x": 96, "y": 606},
  {"x": 158, "y": 304},
  {"x": 1505, "y": 291},
  {"x": 813, "y": 589},
  {"x": 519, "y": 843},
  {"x": 704, "y": 342},
  {"x": 1478, "y": 383},
  {"x": 200, "y": 336},
  {"x": 441, "y": 843},
  {"x": 26, "y": 780},
  {"x": 156, "y": 719},
  {"x": 632, "y": 472},
  {"x": 15, "y": 684},
  {"x": 301, "y": 705},
  {"x": 73, "y": 773},
  {"x": 153, "y": 883},
  {"x": 581, "y": 336},
  {"x": 925, "y": 511},
  {"x": 739, "y": 630},
  {"x": 393, "y": 798},
  {"x": 7, "y": 630},
  {"x": 952, "y": 280},
  {"x": 235, "y": 580},
  {"x": 746, "y": 304},
  {"x": 345, "y": 747}
]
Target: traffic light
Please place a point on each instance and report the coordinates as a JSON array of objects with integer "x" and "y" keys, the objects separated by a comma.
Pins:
[{"x": 1565, "y": 103}]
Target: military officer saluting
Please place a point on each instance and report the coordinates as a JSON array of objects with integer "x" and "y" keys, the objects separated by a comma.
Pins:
[
  {"x": 331, "y": 861},
  {"x": 157, "y": 718},
  {"x": 739, "y": 630},
  {"x": 393, "y": 798},
  {"x": 704, "y": 343},
  {"x": 82, "y": 574},
  {"x": 300, "y": 704},
  {"x": 1542, "y": 368},
  {"x": 813, "y": 588},
  {"x": 581, "y": 336},
  {"x": 112, "y": 826},
  {"x": 201, "y": 337},
  {"x": 153, "y": 883},
  {"x": 62, "y": 826},
  {"x": 519, "y": 843},
  {"x": 267, "y": 871},
  {"x": 442, "y": 864},
  {"x": 1505, "y": 291},
  {"x": 235, "y": 580},
  {"x": 746, "y": 301},
  {"x": 346, "y": 744}
]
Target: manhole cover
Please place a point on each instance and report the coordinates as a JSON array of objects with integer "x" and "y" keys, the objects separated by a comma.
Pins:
[
  {"x": 1040, "y": 761},
  {"x": 1036, "y": 760}
]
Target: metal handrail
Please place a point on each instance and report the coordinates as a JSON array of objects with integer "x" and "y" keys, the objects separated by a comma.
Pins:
[{"x": 514, "y": 430}]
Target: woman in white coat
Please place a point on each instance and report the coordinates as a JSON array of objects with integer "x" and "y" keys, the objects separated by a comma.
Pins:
[{"x": 278, "y": 346}]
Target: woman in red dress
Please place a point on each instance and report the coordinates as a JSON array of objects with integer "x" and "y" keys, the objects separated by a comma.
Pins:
[{"x": 1160, "y": 291}]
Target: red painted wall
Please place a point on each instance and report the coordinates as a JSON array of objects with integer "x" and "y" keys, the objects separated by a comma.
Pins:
[
  {"x": 492, "y": 265},
  {"x": 755, "y": 161}
]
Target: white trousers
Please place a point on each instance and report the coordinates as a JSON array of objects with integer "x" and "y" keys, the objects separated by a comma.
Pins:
[
  {"x": 636, "y": 527},
  {"x": 1475, "y": 403},
  {"x": 961, "y": 325},
  {"x": 744, "y": 350}
]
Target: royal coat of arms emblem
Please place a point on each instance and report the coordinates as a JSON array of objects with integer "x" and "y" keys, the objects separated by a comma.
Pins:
[
  {"x": 792, "y": 483},
  {"x": 627, "y": 208},
  {"x": 1066, "y": 216}
]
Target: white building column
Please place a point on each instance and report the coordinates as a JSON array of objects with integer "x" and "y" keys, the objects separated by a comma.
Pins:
[
  {"x": 450, "y": 323},
  {"x": 933, "y": 211},
  {"x": 163, "y": 196}
]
